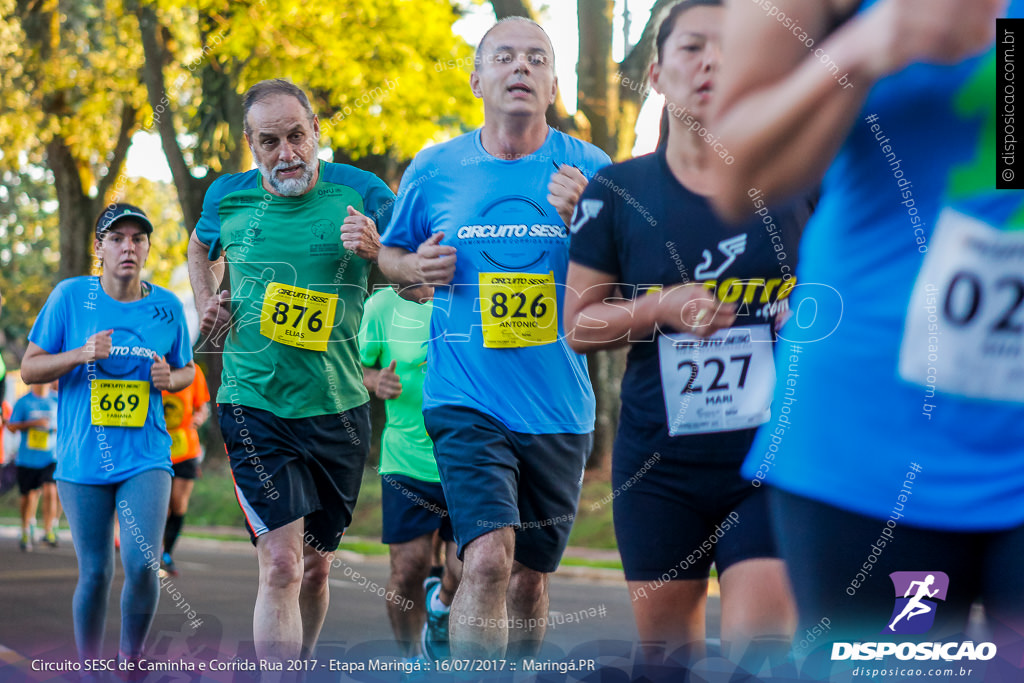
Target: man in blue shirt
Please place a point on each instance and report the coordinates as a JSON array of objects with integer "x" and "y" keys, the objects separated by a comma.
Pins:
[
  {"x": 506, "y": 402},
  {"x": 35, "y": 416}
]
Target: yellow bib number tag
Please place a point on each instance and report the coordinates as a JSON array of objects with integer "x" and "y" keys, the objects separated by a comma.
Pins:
[
  {"x": 39, "y": 439},
  {"x": 119, "y": 403},
  {"x": 298, "y": 317},
  {"x": 179, "y": 442},
  {"x": 518, "y": 309}
]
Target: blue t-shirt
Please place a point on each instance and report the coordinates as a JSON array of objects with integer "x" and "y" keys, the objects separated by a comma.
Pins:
[
  {"x": 88, "y": 453},
  {"x": 638, "y": 224},
  {"x": 857, "y": 425},
  {"x": 38, "y": 445},
  {"x": 497, "y": 343}
]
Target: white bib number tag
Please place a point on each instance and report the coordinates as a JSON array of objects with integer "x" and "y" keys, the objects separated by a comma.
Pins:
[
  {"x": 964, "y": 331},
  {"x": 721, "y": 383}
]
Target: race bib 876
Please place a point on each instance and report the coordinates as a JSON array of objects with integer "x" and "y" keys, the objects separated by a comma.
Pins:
[{"x": 296, "y": 316}]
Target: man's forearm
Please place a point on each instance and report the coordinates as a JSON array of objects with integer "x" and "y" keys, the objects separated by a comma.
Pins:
[
  {"x": 202, "y": 273},
  {"x": 398, "y": 265},
  {"x": 370, "y": 378}
]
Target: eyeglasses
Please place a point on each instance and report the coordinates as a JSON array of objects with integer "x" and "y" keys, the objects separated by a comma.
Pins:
[{"x": 533, "y": 57}]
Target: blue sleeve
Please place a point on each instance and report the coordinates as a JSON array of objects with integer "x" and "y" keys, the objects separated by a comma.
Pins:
[
  {"x": 370, "y": 337},
  {"x": 596, "y": 161},
  {"x": 409, "y": 225},
  {"x": 208, "y": 227},
  {"x": 378, "y": 203},
  {"x": 592, "y": 238},
  {"x": 49, "y": 331},
  {"x": 18, "y": 414}
]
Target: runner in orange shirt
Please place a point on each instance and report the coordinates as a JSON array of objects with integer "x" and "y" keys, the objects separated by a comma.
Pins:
[{"x": 184, "y": 411}]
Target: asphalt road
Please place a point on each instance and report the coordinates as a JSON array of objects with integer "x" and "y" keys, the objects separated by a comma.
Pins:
[{"x": 590, "y": 620}]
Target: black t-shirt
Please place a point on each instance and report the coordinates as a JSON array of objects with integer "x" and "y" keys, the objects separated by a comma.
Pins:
[{"x": 637, "y": 223}]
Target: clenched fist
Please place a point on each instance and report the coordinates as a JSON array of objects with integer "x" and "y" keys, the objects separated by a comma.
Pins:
[
  {"x": 160, "y": 372},
  {"x": 359, "y": 235},
  {"x": 98, "y": 346}
]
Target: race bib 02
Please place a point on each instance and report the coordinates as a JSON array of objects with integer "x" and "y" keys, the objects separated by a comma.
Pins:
[
  {"x": 119, "y": 403},
  {"x": 518, "y": 309},
  {"x": 964, "y": 331},
  {"x": 297, "y": 317},
  {"x": 39, "y": 439},
  {"x": 720, "y": 383}
]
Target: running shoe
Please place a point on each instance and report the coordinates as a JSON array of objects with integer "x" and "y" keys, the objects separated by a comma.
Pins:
[
  {"x": 167, "y": 564},
  {"x": 50, "y": 539},
  {"x": 434, "y": 638},
  {"x": 26, "y": 541}
]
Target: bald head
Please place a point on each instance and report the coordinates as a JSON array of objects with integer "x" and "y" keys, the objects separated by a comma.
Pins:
[{"x": 482, "y": 46}]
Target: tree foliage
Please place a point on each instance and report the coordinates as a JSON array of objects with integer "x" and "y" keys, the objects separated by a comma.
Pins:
[
  {"x": 377, "y": 71},
  {"x": 79, "y": 78},
  {"x": 71, "y": 92},
  {"x": 28, "y": 253}
]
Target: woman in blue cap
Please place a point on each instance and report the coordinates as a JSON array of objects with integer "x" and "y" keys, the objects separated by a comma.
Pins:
[{"x": 114, "y": 342}]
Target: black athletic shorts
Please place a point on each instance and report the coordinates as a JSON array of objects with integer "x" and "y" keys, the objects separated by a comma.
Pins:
[
  {"x": 494, "y": 477},
  {"x": 412, "y": 508},
  {"x": 186, "y": 469},
  {"x": 680, "y": 504},
  {"x": 287, "y": 469},
  {"x": 32, "y": 478},
  {"x": 839, "y": 563}
]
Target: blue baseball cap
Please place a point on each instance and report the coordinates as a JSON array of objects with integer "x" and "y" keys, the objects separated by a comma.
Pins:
[{"x": 120, "y": 211}]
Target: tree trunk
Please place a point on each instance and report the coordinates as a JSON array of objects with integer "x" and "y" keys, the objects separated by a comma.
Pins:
[
  {"x": 77, "y": 210},
  {"x": 596, "y": 97},
  {"x": 190, "y": 192}
]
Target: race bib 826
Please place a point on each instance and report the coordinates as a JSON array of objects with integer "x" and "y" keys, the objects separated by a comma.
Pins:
[{"x": 518, "y": 309}]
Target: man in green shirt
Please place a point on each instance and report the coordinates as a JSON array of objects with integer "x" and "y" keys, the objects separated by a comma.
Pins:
[
  {"x": 393, "y": 350},
  {"x": 298, "y": 236}
]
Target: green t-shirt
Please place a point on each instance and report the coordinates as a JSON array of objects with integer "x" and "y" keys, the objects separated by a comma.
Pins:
[
  {"x": 296, "y": 293},
  {"x": 397, "y": 330}
]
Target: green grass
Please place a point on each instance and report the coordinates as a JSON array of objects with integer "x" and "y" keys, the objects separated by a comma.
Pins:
[
  {"x": 363, "y": 547},
  {"x": 192, "y": 533},
  {"x": 593, "y": 526},
  {"x": 213, "y": 502},
  {"x": 569, "y": 561}
]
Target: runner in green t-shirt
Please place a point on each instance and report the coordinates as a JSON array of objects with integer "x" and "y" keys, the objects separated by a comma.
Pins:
[
  {"x": 393, "y": 351},
  {"x": 298, "y": 236}
]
